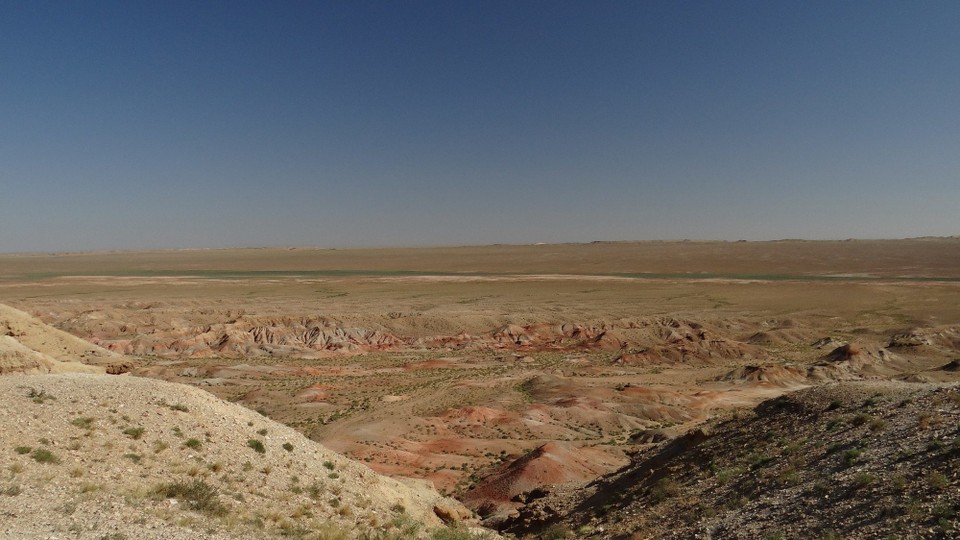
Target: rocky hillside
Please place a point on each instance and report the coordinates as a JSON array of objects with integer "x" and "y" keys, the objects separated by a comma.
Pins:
[{"x": 849, "y": 460}]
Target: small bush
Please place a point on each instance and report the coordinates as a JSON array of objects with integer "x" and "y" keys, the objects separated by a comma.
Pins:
[
  {"x": 555, "y": 532},
  {"x": 83, "y": 423},
  {"x": 937, "y": 480},
  {"x": 863, "y": 480},
  {"x": 22, "y": 450},
  {"x": 179, "y": 407},
  {"x": 257, "y": 446},
  {"x": 134, "y": 432},
  {"x": 834, "y": 405},
  {"x": 197, "y": 495},
  {"x": 328, "y": 464},
  {"x": 39, "y": 396},
  {"x": 42, "y": 455},
  {"x": 852, "y": 456},
  {"x": 194, "y": 444},
  {"x": 288, "y": 447},
  {"x": 664, "y": 489}
]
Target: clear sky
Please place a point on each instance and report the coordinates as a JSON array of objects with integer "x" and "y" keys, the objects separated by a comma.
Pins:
[{"x": 127, "y": 125}]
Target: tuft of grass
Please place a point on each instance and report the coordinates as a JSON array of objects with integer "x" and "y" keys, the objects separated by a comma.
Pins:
[
  {"x": 192, "y": 443},
  {"x": 257, "y": 446},
  {"x": 22, "y": 450},
  {"x": 85, "y": 422},
  {"x": 42, "y": 455},
  {"x": 852, "y": 456},
  {"x": 937, "y": 480},
  {"x": 863, "y": 480},
  {"x": 197, "y": 495},
  {"x": 134, "y": 432},
  {"x": 328, "y": 464}
]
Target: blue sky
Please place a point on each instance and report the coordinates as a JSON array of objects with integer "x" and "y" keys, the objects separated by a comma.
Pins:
[{"x": 128, "y": 125}]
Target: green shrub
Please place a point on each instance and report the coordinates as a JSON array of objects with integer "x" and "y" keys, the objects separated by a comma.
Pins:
[
  {"x": 134, "y": 432},
  {"x": 83, "y": 423},
  {"x": 664, "y": 489},
  {"x": 42, "y": 455},
  {"x": 257, "y": 446},
  {"x": 197, "y": 495},
  {"x": 288, "y": 447},
  {"x": 22, "y": 450},
  {"x": 195, "y": 444}
]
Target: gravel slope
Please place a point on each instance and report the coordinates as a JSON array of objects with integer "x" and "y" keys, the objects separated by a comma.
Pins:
[{"x": 97, "y": 456}]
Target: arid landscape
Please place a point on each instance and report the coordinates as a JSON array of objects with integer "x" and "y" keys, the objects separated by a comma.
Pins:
[{"x": 603, "y": 390}]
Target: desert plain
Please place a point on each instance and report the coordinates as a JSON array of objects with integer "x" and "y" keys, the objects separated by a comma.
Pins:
[{"x": 497, "y": 373}]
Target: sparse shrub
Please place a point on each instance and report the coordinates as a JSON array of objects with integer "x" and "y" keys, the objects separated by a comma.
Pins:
[
  {"x": 926, "y": 420},
  {"x": 257, "y": 446},
  {"x": 288, "y": 447},
  {"x": 333, "y": 476},
  {"x": 834, "y": 405},
  {"x": 39, "y": 395},
  {"x": 83, "y": 422},
  {"x": 42, "y": 455},
  {"x": 664, "y": 489},
  {"x": 877, "y": 425},
  {"x": 860, "y": 419},
  {"x": 193, "y": 444},
  {"x": 863, "y": 480},
  {"x": 159, "y": 446},
  {"x": 22, "y": 450},
  {"x": 450, "y": 533},
  {"x": 937, "y": 480},
  {"x": 555, "y": 532},
  {"x": 852, "y": 456},
  {"x": 757, "y": 460},
  {"x": 328, "y": 464},
  {"x": 197, "y": 495},
  {"x": 262, "y": 431},
  {"x": 12, "y": 490},
  {"x": 133, "y": 457},
  {"x": 134, "y": 432},
  {"x": 179, "y": 407}
]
